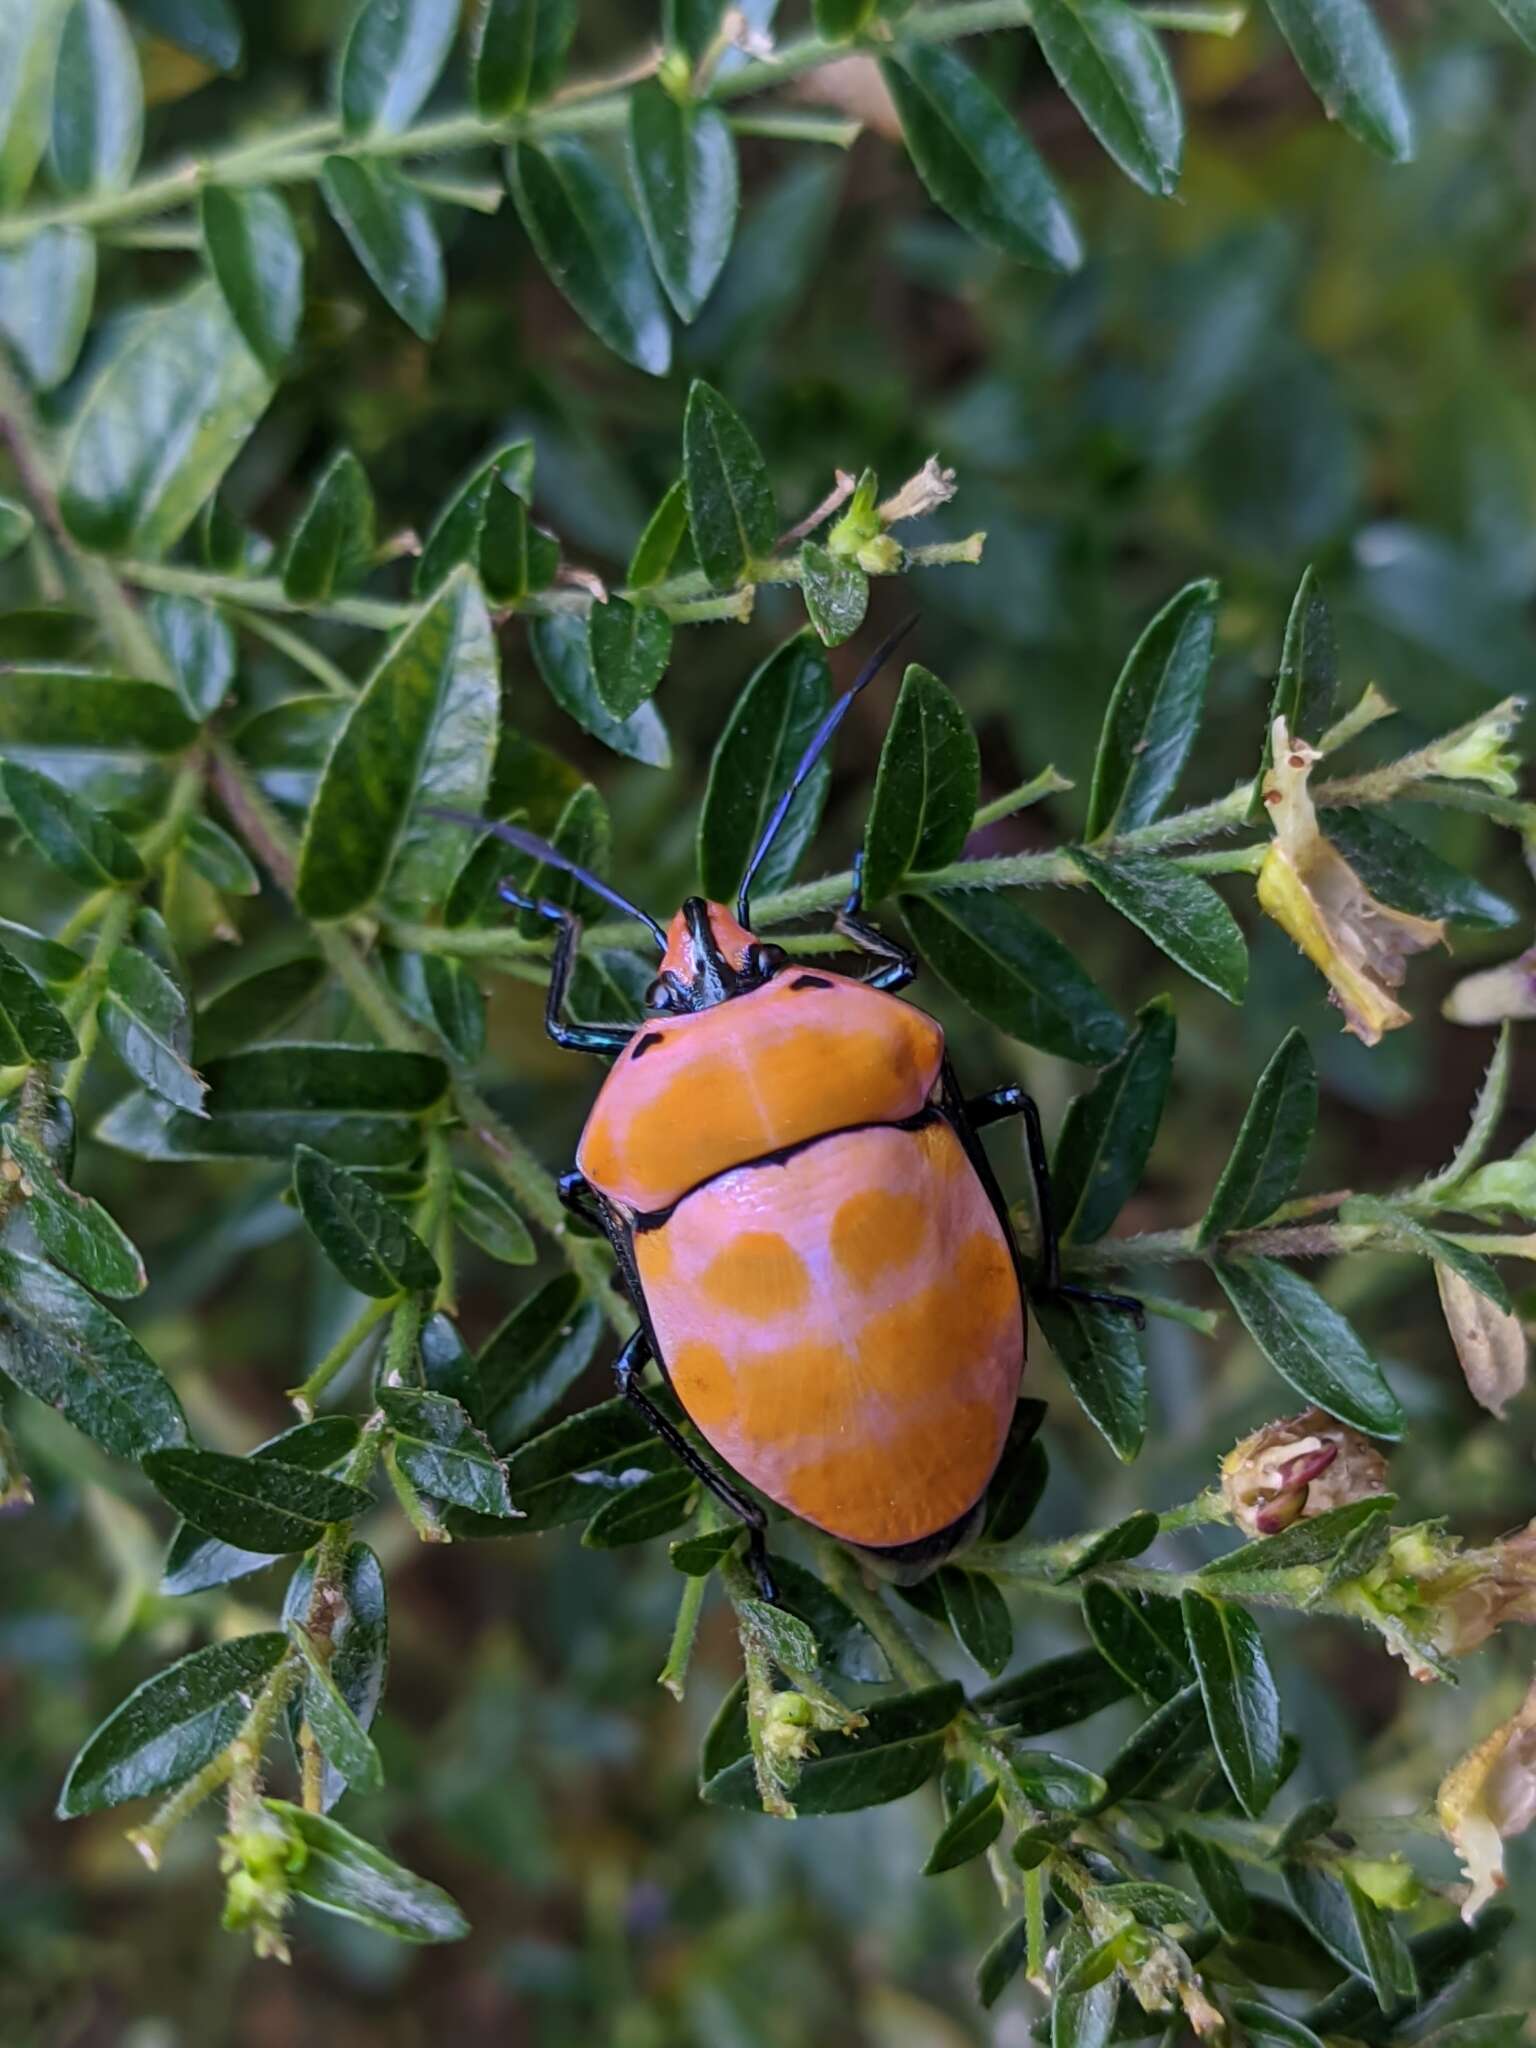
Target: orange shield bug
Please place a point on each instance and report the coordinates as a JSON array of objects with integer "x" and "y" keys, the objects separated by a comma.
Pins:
[{"x": 813, "y": 1239}]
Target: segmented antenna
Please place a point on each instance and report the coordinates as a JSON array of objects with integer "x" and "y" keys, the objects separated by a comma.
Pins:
[
  {"x": 541, "y": 850},
  {"x": 811, "y": 756}
]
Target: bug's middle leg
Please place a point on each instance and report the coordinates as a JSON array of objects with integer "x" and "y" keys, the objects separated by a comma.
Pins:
[
  {"x": 898, "y": 967},
  {"x": 1012, "y": 1100},
  {"x": 598, "y": 1038},
  {"x": 628, "y": 1366}
]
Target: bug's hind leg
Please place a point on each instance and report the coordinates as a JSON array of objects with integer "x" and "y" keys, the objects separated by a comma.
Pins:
[
  {"x": 1012, "y": 1100},
  {"x": 627, "y": 1369},
  {"x": 598, "y": 1038},
  {"x": 898, "y": 967}
]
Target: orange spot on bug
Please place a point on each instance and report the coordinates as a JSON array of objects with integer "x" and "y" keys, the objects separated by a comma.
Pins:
[
  {"x": 704, "y": 1383},
  {"x": 881, "y": 1493},
  {"x": 653, "y": 1255},
  {"x": 876, "y": 1232},
  {"x": 759, "y": 1275},
  {"x": 807, "y": 1387}
]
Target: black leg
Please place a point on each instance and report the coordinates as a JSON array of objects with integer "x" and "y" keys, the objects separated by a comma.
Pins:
[
  {"x": 899, "y": 966},
  {"x": 598, "y": 1038},
  {"x": 576, "y": 1194},
  {"x": 627, "y": 1369}
]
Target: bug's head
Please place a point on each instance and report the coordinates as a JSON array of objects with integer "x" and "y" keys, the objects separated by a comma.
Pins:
[{"x": 710, "y": 956}]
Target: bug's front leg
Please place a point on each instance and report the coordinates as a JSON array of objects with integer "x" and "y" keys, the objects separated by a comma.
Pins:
[
  {"x": 598, "y": 1038},
  {"x": 628, "y": 1366},
  {"x": 899, "y": 967}
]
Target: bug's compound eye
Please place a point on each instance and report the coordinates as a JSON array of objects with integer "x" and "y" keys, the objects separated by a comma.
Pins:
[
  {"x": 663, "y": 994},
  {"x": 764, "y": 961}
]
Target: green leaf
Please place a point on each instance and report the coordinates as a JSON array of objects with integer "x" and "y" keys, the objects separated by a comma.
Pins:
[
  {"x": 975, "y": 161},
  {"x": 46, "y": 287},
  {"x": 730, "y": 499},
  {"x": 1056, "y": 1783},
  {"x": 32, "y": 1026},
  {"x": 836, "y": 593},
  {"x": 74, "y": 1230},
  {"x": 1321, "y": 1898},
  {"x": 768, "y": 729},
  {"x": 1056, "y": 1694},
  {"x": 1310, "y": 1344},
  {"x": 1315, "y": 1540},
  {"x": 254, "y": 253},
  {"x": 1409, "y": 875},
  {"x": 979, "y": 1616},
  {"x": 1348, "y": 63},
  {"x": 421, "y": 732},
  {"x": 448, "y": 1365},
  {"x": 926, "y": 789},
  {"x": 631, "y": 645},
  {"x": 221, "y": 861},
  {"x": 1099, "y": 1350},
  {"x": 194, "y": 1562},
  {"x": 1306, "y": 682},
  {"x": 440, "y": 1450},
  {"x": 67, "y": 833},
  {"x": 1161, "y": 1750},
  {"x": 1521, "y": 16},
  {"x": 592, "y": 246},
  {"x": 899, "y": 1748},
  {"x": 75, "y": 709},
  {"x": 1014, "y": 973},
  {"x": 44, "y": 959},
  {"x": 60, "y": 1345},
  {"x": 98, "y": 101},
  {"x": 459, "y": 528},
  {"x": 970, "y": 1833},
  {"x": 1401, "y": 1232},
  {"x": 1220, "y": 1883},
  {"x": 332, "y": 543},
  {"x": 173, "y": 407},
  {"x": 1154, "y": 714},
  {"x": 1002, "y": 1962},
  {"x": 517, "y": 558},
  {"x": 15, "y": 527},
  {"x": 200, "y": 647},
  {"x": 394, "y": 52},
  {"x": 565, "y": 1474},
  {"x": 837, "y": 21},
  {"x": 389, "y": 227},
  {"x": 657, "y": 547},
  {"x": 145, "y": 1020},
  {"x": 1241, "y": 1703},
  {"x": 682, "y": 161},
  {"x": 844, "y": 1644},
  {"x": 359, "y": 1637},
  {"x": 29, "y": 41},
  {"x": 1487, "y": 2030},
  {"x": 1267, "y": 2028},
  {"x": 561, "y": 651},
  {"x": 369, "y": 1243},
  {"x": 1141, "y": 1635},
  {"x": 649, "y": 1508},
  {"x": 696, "y": 1556},
  {"x": 1180, "y": 913},
  {"x": 340, "y": 1736},
  {"x": 207, "y": 29},
  {"x": 1113, "y": 69},
  {"x": 1273, "y": 1141},
  {"x": 519, "y": 53},
  {"x": 1083, "y": 2018},
  {"x": 1388, "y": 1963},
  {"x": 342, "y": 1874},
  {"x": 1439, "y": 1955},
  {"x": 442, "y": 993},
  {"x": 173, "y": 1724},
  {"x": 254, "y": 1503},
  {"x": 1121, "y": 1540},
  {"x": 1107, "y": 1133},
  {"x": 255, "y": 1004},
  {"x": 536, "y": 1356},
  {"x": 485, "y": 1216},
  {"x": 1014, "y": 1490}
]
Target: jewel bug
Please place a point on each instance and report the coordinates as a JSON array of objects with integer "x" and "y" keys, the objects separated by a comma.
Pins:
[{"x": 815, "y": 1245}]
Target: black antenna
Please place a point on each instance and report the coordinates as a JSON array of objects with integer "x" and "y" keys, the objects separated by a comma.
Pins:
[
  {"x": 812, "y": 755},
  {"x": 541, "y": 850}
]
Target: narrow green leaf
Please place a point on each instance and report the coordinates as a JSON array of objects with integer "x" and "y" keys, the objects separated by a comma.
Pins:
[
  {"x": 47, "y": 284},
  {"x": 448, "y": 1365},
  {"x": 1142, "y": 1636},
  {"x": 838, "y": 21},
  {"x": 221, "y": 861},
  {"x": 98, "y": 101},
  {"x": 636, "y": 1513},
  {"x": 975, "y": 161},
  {"x": 368, "y": 1242},
  {"x": 682, "y": 160},
  {"x": 441, "y": 1451},
  {"x": 394, "y": 52},
  {"x": 898, "y": 1749},
  {"x": 1154, "y": 713},
  {"x": 1014, "y": 1490},
  {"x": 73, "y": 1229},
  {"x": 255, "y": 1503},
  {"x": 1180, "y": 913},
  {"x": 1056, "y": 1694},
  {"x": 519, "y": 53},
  {"x": 15, "y": 527},
  {"x": 1056, "y": 1783},
  {"x": 565, "y": 1474},
  {"x": 768, "y": 729},
  {"x": 1113, "y": 69},
  {"x": 207, "y": 29},
  {"x": 970, "y": 1833},
  {"x": 836, "y": 593},
  {"x": 657, "y": 547},
  {"x": 1315, "y": 1540},
  {"x": 359, "y": 1639},
  {"x": 1267, "y": 2028},
  {"x": 173, "y": 1724},
  {"x": 459, "y": 527},
  {"x": 1241, "y": 1703},
  {"x": 332, "y": 542},
  {"x": 979, "y": 1616},
  {"x": 145, "y": 1020},
  {"x": 30, "y": 31},
  {"x": 1521, "y": 16},
  {"x": 1014, "y": 973},
  {"x": 174, "y": 405},
  {"x": 843, "y": 1643},
  {"x": 1220, "y": 1883},
  {"x": 1310, "y": 1344},
  {"x": 517, "y": 558},
  {"x": 44, "y": 959},
  {"x": 696, "y": 1556},
  {"x": 1002, "y": 1962},
  {"x": 1161, "y": 1750},
  {"x": 32, "y": 1026},
  {"x": 592, "y": 246},
  {"x": 1099, "y": 1350},
  {"x": 341, "y": 1737},
  {"x": 254, "y": 1005},
  {"x": 1107, "y": 1133},
  {"x": 1085, "y": 2017},
  {"x": 631, "y": 645},
  {"x": 486, "y": 1217},
  {"x": 200, "y": 647},
  {"x": 1402, "y": 1232},
  {"x": 536, "y": 1356},
  {"x": 1121, "y": 1540},
  {"x": 1388, "y": 1963},
  {"x": 563, "y": 656},
  {"x": 1408, "y": 875},
  {"x": 342, "y": 1874},
  {"x": 730, "y": 499},
  {"x": 257, "y": 262},
  {"x": 422, "y": 732},
  {"x": 76, "y": 709},
  {"x": 67, "y": 833},
  {"x": 1306, "y": 682},
  {"x": 1348, "y": 63},
  {"x": 1272, "y": 1142},
  {"x": 194, "y": 1562},
  {"x": 389, "y": 226},
  {"x": 926, "y": 788}
]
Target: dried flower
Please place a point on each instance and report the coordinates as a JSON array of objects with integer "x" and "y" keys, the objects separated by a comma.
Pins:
[
  {"x": 932, "y": 486},
  {"x": 1298, "y": 1467},
  {"x": 1433, "y": 1601},
  {"x": 1489, "y": 1797},
  {"x": 1311, "y": 891},
  {"x": 1490, "y": 1341}
]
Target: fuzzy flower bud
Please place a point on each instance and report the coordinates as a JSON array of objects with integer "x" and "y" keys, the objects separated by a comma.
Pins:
[
  {"x": 1433, "y": 1601},
  {"x": 932, "y": 487},
  {"x": 1494, "y": 993},
  {"x": 1489, "y": 1797},
  {"x": 1311, "y": 891},
  {"x": 1298, "y": 1467},
  {"x": 788, "y": 1726},
  {"x": 257, "y": 1862},
  {"x": 1480, "y": 752}
]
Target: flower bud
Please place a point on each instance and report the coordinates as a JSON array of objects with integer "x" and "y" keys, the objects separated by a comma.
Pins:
[
  {"x": 1508, "y": 1184},
  {"x": 788, "y": 1727},
  {"x": 1389, "y": 1881},
  {"x": 1298, "y": 1467},
  {"x": 1480, "y": 752},
  {"x": 1489, "y": 1797}
]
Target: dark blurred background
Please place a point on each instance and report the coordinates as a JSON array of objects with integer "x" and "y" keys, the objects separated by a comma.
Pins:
[{"x": 1307, "y": 357}]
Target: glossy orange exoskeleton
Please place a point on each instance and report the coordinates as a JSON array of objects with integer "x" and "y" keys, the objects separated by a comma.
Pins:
[{"x": 805, "y": 1221}]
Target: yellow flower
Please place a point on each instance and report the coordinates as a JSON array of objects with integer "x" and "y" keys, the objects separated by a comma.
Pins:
[
  {"x": 1311, "y": 891},
  {"x": 1295, "y": 1468},
  {"x": 1489, "y": 1797}
]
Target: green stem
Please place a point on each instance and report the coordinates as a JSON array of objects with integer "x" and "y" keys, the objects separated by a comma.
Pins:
[
  {"x": 298, "y": 650},
  {"x": 150, "y": 1840},
  {"x": 83, "y": 1005},
  {"x": 674, "y": 1673},
  {"x": 399, "y": 1360},
  {"x": 264, "y": 594},
  {"x": 1047, "y": 783},
  {"x": 304, "y": 1397}
]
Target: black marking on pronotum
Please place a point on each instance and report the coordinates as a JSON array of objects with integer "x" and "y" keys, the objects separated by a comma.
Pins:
[
  {"x": 810, "y": 981},
  {"x": 645, "y": 1041},
  {"x": 551, "y": 856}
]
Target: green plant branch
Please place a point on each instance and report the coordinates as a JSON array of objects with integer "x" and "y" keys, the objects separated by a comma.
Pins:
[{"x": 305, "y": 1396}]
